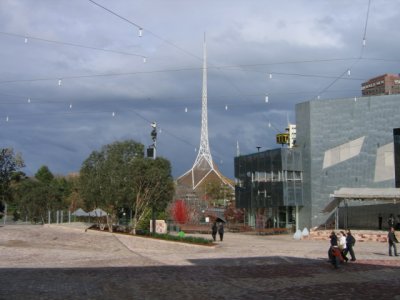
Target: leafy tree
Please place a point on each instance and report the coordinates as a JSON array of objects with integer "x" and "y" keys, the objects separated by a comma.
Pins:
[
  {"x": 44, "y": 175},
  {"x": 34, "y": 197},
  {"x": 120, "y": 176},
  {"x": 9, "y": 164}
]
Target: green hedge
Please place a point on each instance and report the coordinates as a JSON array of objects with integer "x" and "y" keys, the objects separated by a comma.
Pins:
[{"x": 184, "y": 239}]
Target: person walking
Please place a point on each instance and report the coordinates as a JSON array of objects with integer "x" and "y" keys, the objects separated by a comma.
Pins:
[
  {"x": 221, "y": 231},
  {"x": 392, "y": 241},
  {"x": 334, "y": 253},
  {"x": 350, "y": 242},
  {"x": 214, "y": 230},
  {"x": 342, "y": 245}
]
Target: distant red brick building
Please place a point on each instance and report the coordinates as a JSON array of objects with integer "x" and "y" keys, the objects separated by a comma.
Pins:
[{"x": 386, "y": 84}]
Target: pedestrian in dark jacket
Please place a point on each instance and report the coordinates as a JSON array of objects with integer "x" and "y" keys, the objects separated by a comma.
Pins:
[
  {"x": 221, "y": 231},
  {"x": 214, "y": 230},
  {"x": 392, "y": 241},
  {"x": 350, "y": 242}
]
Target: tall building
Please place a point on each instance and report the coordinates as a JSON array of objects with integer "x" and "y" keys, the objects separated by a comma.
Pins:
[
  {"x": 349, "y": 152},
  {"x": 386, "y": 84},
  {"x": 204, "y": 169}
]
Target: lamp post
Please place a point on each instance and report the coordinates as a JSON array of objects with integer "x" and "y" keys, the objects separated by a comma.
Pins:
[{"x": 151, "y": 153}]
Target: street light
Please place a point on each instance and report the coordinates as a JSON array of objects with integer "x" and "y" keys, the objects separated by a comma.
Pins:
[{"x": 151, "y": 153}]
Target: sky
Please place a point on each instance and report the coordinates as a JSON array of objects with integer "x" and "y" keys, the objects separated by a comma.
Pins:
[{"x": 76, "y": 75}]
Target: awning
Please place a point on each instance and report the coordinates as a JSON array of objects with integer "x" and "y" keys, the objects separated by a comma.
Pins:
[
  {"x": 381, "y": 195},
  {"x": 97, "y": 213},
  {"x": 80, "y": 213}
]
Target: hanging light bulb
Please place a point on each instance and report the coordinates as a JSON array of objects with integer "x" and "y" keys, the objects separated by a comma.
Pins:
[
  {"x": 59, "y": 82},
  {"x": 226, "y": 107},
  {"x": 266, "y": 98},
  {"x": 186, "y": 109},
  {"x": 26, "y": 40},
  {"x": 144, "y": 59},
  {"x": 364, "y": 42},
  {"x": 348, "y": 72},
  {"x": 140, "y": 32},
  {"x": 29, "y": 100}
]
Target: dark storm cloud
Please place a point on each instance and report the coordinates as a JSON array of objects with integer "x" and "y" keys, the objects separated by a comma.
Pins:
[{"x": 107, "y": 93}]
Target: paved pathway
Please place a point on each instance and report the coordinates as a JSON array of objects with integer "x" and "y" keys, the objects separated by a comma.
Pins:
[{"x": 58, "y": 262}]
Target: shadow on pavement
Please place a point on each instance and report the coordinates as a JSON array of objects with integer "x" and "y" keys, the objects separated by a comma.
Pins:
[{"x": 231, "y": 278}]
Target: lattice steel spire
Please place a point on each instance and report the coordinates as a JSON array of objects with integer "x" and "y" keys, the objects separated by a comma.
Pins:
[{"x": 204, "y": 151}]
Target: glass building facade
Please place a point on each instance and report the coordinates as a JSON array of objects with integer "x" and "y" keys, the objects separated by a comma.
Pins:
[{"x": 269, "y": 184}]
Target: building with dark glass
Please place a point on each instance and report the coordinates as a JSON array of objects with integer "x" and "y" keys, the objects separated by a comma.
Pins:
[{"x": 269, "y": 186}]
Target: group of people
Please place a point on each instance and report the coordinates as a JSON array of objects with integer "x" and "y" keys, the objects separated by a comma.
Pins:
[
  {"x": 217, "y": 229},
  {"x": 341, "y": 245}
]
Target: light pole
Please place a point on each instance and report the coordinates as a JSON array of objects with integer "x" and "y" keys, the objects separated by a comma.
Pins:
[{"x": 151, "y": 153}]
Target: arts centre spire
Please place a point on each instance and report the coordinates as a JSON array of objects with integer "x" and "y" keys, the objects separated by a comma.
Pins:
[{"x": 204, "y": 169}]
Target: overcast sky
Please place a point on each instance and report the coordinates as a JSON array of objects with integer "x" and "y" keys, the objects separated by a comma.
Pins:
[{"x": 73, "y": 76}]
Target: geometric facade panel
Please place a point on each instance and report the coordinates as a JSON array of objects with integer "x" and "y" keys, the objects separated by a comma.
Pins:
[
  {"x": 384, "y": 163},
  {"x": 343, "y": 152}
]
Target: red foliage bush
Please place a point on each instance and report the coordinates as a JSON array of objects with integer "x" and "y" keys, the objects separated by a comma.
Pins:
[{"x": 180, "y": 212}]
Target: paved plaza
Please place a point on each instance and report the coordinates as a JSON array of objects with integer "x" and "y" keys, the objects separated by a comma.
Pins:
[{"x": 67, "y": 262}]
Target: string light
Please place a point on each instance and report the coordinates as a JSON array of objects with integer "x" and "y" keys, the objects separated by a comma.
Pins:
[
  {"x": 355, "y": 99},
  {"x": 348, "y": 72},
  {"x": 7, "y": 119},
  {"x": 266, "y": 98},
  {"x": 226, "y": 107},
  {"x": 269, "y": 124},
  {"x": 186, "y": 110},
  {"x": 26, "y": 40},
  {"x": 113, "y": 114},
  {"x": 270, "y": 75},
  {"x": 29, "y": 100},
  {"x": 70, "y": 106},
  {"x": 59, "y": 82},
  {"x": 144, "y": 59},
  {"x": 140, "y": 32},
  {"x": 364, "y": 42}
]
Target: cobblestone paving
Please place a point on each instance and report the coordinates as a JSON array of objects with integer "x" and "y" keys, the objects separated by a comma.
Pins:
[{"x": 55, "y": 262}]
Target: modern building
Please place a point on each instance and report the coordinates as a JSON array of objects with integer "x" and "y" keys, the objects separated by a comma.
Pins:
[
  {"x": 348, "y": 150},
  {"x": 345, "y": 143},
  {"x": 386, "y": 84},
  {"x": 269, "y": 186}
]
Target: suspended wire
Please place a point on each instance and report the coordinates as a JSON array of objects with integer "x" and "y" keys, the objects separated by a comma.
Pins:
[
  {"x": 347, "y": 71},
  {"x": 63, "y": 78},
  {"x": 117, "y": 15},
  {"x": 365, "y": 30},
  {"x": 69, "y": 44}
]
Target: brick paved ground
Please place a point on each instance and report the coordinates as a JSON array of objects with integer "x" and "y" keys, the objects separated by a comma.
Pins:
[{"x": 55, "y": 262}]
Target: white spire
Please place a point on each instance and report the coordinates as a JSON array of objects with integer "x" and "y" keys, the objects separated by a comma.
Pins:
[{"x": 204, "y": 151}]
